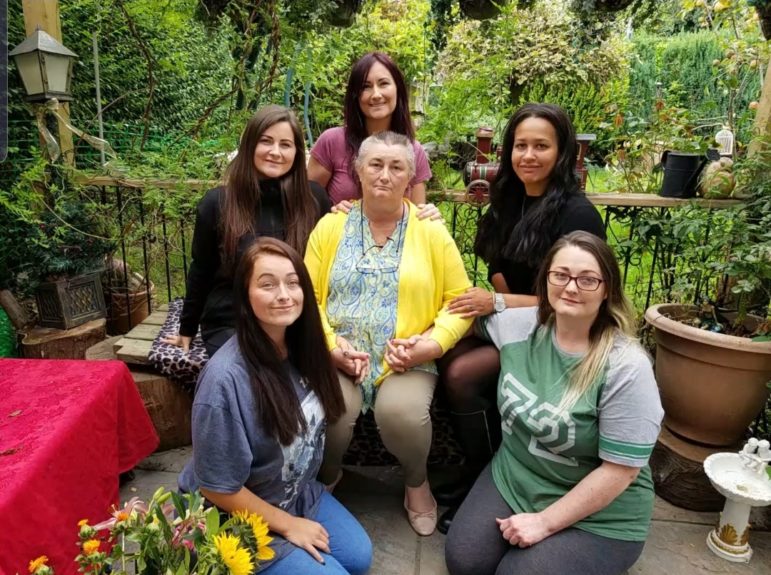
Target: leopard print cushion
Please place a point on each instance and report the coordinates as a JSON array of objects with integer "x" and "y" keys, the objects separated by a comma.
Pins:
[{"x": 170, "y": 360}]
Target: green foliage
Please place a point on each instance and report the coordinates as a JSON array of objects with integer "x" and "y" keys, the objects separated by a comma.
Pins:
[
  {"x": 680, "y": 66},
  {"x": 50, "y": 228},
  {"x": 490, "y": 67},
  {"x": 749, "y": 262},
  {"x": 588, "y": 106}
]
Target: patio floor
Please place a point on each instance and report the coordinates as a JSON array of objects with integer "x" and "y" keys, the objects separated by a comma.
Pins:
[{"x": 676, "y": 544}]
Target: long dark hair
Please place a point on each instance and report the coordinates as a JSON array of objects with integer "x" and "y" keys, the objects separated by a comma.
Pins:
[
  {"x": 615, "y": 318},
  {"x": 355, "y": 123},
  {"x": 279, "y": 409},
  {"x": 242, "y": 195},
  {"x": 531, "y": 237}
]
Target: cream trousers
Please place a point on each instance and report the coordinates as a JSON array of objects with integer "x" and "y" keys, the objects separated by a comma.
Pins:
[{"x": 402, "y": 415}]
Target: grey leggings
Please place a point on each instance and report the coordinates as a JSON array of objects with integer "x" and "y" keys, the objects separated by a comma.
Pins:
[
  {"x": 475, "y": 546},
  {"x": 401, "y": 413}
]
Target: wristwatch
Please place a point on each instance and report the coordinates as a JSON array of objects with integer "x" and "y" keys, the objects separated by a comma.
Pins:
[{"x": 499, "y": 304}]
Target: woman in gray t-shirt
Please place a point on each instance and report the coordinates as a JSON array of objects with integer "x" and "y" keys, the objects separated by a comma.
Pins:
[
  {"x": 259, "y": 420},
  {"x": 569, "y": 490}
]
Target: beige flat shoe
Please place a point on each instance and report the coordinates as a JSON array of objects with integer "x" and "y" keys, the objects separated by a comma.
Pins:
[{"x": 423, "y": 523}]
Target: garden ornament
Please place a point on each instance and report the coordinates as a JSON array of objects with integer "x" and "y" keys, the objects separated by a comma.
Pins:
[{"x": 743, "y": 480}]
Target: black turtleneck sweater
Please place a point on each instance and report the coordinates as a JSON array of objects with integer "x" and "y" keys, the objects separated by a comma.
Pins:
[{"x": 209, "y": 296}]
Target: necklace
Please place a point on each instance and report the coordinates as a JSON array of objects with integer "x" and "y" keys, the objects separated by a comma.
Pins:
[{"x": 398, "y": 241}]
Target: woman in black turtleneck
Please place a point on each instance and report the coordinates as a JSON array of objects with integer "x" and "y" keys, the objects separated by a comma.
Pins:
[{"x": 267, "y": 193}]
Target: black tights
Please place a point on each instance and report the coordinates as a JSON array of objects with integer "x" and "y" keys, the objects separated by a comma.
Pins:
[{"x": 469, "y": 374}]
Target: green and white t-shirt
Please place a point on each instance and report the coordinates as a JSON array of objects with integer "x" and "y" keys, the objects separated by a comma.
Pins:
[{"x": 545, "y": 453}]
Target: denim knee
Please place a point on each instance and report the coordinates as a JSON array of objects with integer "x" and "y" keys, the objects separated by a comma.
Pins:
[{"x": 357, "y": 556}]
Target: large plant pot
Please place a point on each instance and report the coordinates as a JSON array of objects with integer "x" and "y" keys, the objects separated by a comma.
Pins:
[{"x": 712, "y": 385}]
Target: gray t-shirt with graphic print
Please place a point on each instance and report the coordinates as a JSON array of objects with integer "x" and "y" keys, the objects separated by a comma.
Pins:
[
  {"x": 232, "y": 450},
  {"x": 545, "y": 452}
]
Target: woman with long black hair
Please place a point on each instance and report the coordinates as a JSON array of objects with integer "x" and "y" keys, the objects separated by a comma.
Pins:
[{"x": 536, "y": 198}]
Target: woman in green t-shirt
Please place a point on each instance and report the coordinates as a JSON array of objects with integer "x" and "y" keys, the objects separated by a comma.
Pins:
[{"x": 569, "y": 490}]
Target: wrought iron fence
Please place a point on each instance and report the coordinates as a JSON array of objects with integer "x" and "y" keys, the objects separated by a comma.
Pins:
[{"x": 153, "y": 236}]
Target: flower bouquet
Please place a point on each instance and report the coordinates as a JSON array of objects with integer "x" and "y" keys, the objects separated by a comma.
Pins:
[{"x": 173, "y": 534}]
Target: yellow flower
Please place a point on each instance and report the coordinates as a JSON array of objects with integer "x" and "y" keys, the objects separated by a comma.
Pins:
[
  {"x": 260, "y": 530},
  {"x": 82, "y": 522},
  {"x": 91, "y": 546},
  {"x": 36, "y": 564},
  {"x": 236, "y": 558}
]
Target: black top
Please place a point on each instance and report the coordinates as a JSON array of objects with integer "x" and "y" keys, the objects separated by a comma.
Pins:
[
  {"x": 209, "y": 296},
  {"x": 578, "y": 214}
]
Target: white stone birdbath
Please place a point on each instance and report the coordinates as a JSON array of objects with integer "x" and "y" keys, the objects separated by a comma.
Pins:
[{"x": 742, "y": 479}]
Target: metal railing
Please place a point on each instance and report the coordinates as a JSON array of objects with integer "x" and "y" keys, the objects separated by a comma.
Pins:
[{"x": 155, "y": 220}]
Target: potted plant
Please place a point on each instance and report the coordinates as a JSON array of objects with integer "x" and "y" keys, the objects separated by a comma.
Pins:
[
  {"x": 56, "y": 244},
  {"x": 713, "y": 365}
]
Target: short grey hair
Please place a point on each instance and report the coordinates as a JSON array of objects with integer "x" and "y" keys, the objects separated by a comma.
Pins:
[{"x": 389, "y": 139}]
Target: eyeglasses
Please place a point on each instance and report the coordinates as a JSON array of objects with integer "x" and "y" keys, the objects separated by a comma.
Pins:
[{"x": 584, "y": 283}]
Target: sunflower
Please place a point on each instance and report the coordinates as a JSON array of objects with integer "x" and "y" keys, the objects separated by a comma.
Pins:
[
  {"x": 236, "y": 558},
  {"x": 37, "y": 563},
  {"x": 90, "y": 546},
  {"x": 260, "y": 529}
]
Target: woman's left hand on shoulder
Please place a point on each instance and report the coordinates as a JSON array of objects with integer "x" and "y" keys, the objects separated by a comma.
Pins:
[
  {"x": 473, "y": 303},
  {"x": 344, "y": 206},
  {"x": 404, "y": 353},
  {"x": 429, "y": 211},
  {"x": 524, "y": 529}
]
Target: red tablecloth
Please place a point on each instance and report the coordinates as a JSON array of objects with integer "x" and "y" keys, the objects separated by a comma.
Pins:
[{"x": 67, "y": 430}]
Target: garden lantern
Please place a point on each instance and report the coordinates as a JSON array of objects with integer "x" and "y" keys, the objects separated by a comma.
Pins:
[
  {"x": 45, "y": 67},
  {"x": 725, "y": 138}
]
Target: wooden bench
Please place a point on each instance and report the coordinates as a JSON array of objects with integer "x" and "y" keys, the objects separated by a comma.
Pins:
[
  {"x": 134, "y": 347},
  {"x": 167, "y": 403}
]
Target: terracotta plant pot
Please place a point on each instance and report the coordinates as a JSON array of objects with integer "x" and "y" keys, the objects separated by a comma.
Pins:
[
  {"x": 712, "y": 385},
  {"x": 128, "y": 310}
]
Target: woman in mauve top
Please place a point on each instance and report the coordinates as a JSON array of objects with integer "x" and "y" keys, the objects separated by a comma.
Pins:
[{"x": 376, "y": 100}]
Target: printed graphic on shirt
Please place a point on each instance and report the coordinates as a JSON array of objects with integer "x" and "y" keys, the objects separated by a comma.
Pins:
[
  {"x": 299, "y": 455},
  {"x": 552, "y": 432}
]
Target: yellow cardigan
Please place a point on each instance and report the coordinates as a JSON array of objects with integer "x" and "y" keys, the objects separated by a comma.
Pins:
[{"x": 431, "y": 273}]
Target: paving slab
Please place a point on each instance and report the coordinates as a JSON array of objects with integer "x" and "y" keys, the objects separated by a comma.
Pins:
[
  {"x": 676, "y": 544},
  {"x": 681, "y": 548}
]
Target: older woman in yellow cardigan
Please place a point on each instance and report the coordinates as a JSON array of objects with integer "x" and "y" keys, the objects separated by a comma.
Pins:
[{"x": 383, "y": 280}]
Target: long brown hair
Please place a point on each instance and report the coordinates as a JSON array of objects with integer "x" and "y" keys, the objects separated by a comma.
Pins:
[
  {"x": 242, "y": 195},
  {"x": 279, "y": 409},
  {"x": 615, "y": 318}
]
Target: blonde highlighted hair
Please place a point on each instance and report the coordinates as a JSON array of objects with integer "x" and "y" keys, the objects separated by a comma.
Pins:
[{"x": 615, "y": 319}]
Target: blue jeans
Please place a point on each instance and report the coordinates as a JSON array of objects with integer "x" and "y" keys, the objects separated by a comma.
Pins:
[{"x": 351, "y": 549}]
